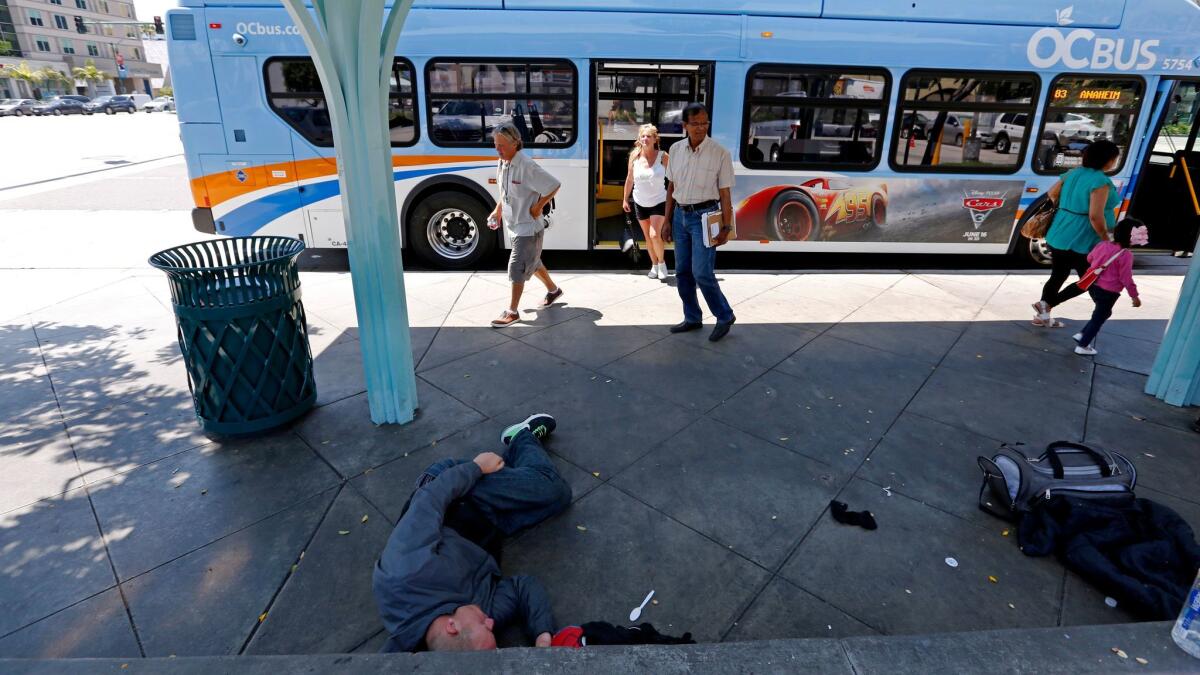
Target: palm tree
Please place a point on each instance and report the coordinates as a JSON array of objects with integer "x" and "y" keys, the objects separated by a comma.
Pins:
[
  {"x": 55, "y": 76},
  {"x": 90, "y": 73},
  {"x": 28, "y": 75}
]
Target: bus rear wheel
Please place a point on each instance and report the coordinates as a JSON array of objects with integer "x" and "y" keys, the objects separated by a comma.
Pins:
[
  {"x": 449, "y": 230},
  {"x": 793, "y": 216}
]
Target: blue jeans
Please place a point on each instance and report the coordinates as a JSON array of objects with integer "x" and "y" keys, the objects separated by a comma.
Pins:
[
  {"x": 694, "y": 266},
  {"x": 525, "y": 492},
  {"x": 1105, "y": 300}
]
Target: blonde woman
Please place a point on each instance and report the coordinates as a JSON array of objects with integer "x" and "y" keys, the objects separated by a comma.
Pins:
[{"x": 646, "y": 182}]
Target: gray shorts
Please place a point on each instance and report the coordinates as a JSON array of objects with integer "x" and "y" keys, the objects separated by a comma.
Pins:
[{"x": 526, "y": 258}]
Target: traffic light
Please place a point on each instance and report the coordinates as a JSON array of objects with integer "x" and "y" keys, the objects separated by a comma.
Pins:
[
  {"x": 158, "y": 27},
  {"x": 79, "y": 27}
]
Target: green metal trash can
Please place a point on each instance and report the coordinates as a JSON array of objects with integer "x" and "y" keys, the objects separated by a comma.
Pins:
[{"x": 242, "y": 331}]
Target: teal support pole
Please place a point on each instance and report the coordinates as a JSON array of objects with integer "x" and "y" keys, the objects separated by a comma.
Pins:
[
  {"x": 1176, "y": 374},
  {"x": 353, "y": 47}
]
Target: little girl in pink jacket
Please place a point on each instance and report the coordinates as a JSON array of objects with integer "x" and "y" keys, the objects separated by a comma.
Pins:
[{"x": 1116, "y": 277}]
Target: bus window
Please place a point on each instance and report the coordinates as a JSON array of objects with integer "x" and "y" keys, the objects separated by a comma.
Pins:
[
  {"x": 804, "y": 117},
  {"x": 963, "y": 122},
  {"x": 1082, "y": 109},
  {"x": 294, "y": 94},
  {"x": 468, "y": 99}
]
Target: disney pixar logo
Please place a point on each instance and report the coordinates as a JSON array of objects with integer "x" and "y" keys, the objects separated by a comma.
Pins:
[{"x": 981, "y": 204}]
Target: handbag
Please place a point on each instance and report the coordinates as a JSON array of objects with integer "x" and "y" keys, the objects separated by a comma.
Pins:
[
  {"x": 1038, "y": 218},
  {"x": 1094, "y": 273},
  {"x": 629, "y": 242}
]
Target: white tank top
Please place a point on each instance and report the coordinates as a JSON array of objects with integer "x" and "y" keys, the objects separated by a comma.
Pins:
[{"x": 649, "y": 182}]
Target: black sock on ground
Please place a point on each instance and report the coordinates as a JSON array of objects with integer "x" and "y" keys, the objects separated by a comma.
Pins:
[{"x": 843, "y": 515}]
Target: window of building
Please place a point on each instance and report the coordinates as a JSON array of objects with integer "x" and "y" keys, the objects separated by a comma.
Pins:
[
  {"x": 81, "y": 4},
  {"x": 35, "y": 18},
  {"x": 92, "y": 49},
  {"x": 1082, "y": 109},
  {"x": 43, "y": 45},
  {"x": 811, "y": 117},
  {"x": 295, "y": 95},
  {"x": 137, "y": 54},
  {"x": 56, "y": 2},
  {"x": 467, "y": 99},
  {"x": 60, "y": 21},
  {"x": 950, "y": 121},
  {"x": 104, "y": 6},
  {"x": 68, "y": 46}
]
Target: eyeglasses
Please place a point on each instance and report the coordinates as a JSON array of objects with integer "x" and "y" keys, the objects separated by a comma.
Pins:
[{"x": 698, "y": 125}]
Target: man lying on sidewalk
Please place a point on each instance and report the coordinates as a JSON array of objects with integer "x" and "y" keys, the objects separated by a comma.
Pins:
[{"x": 437, "y": 588}]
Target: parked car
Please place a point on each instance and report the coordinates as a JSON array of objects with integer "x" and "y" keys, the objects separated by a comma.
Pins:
[
  {"x": 1074, "y": 126},
  {"x": 16, "y": 107},
  {"x": 59, "y": 106},
  {"x": 160, "y": 104},
  {"x": 1009, "y": 128},
  {"x": 111, "y": 105},
  {"x": 78, "y": 97},
  {"x": 139, "y": 100},
  {"x": 922, "y": 125}
]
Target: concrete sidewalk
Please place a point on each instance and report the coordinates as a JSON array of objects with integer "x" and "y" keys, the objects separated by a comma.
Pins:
[{"x": 702, "y": 471}]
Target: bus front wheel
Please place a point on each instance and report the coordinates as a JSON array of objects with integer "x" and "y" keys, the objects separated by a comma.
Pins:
[
  {"x": 449, "y": 230},
  {"x": 793, "y": 216},
  {"x": 1034, "y": 251}
]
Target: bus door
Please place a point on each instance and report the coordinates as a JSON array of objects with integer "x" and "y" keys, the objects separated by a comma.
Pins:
[
  {"x": 255, "y": 179},
  {"x": 1167, "y": 195},
  {"x": 628, "y": 94}
]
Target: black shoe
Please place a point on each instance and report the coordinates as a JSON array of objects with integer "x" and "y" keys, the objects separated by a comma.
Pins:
[
  {"x": 721, "y": 329},
  {"x": 1196, "y": 425},
  {"x": 540, "y": 424},
  {"x": 685, "y": 326}
]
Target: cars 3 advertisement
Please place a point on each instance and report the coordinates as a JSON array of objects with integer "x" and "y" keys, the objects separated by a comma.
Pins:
[{"x": 833, "y": 208}]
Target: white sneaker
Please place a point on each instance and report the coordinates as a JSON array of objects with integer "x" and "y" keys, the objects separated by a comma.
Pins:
[
  {"x": 653, "y": 273},
  {"x": 1086, "y": 351},
  {"x": 662, "y": 271},
  {"x": 1077, "y": 337}
]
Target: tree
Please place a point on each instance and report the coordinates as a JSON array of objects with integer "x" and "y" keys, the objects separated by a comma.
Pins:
[
  {"x": 32, "y": 77},
  {"x": 166, "y": 91},
  {"x": 5, "y": 47},
  {"x": 90, "y": 73},
  {"x": 55, "y": 76}
]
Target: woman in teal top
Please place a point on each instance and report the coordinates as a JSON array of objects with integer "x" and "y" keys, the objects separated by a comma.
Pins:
[{"x": 1087, "y": 201}]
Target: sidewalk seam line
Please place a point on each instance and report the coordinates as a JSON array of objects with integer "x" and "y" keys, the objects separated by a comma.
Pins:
[{"x": 287, "y": 576}]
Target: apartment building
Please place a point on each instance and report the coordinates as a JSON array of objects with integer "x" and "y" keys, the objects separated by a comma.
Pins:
[{"x": 64, "y": 34}]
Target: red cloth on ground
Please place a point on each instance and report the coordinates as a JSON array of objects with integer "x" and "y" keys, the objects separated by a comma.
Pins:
[{"x": 571, "y": 636}]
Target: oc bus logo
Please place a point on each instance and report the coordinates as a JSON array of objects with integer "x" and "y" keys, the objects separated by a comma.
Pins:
[{"x": 1081, "y": 49}]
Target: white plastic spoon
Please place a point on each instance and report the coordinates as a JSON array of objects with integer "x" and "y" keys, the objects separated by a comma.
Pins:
[{"x": 637, "y": 612}]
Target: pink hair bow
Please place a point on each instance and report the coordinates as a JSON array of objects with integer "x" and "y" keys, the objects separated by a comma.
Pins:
[{"x": 1138, "y": 236}]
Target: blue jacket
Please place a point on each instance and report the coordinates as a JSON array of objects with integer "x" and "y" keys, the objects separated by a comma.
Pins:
[{"x": 427, "y": 570}]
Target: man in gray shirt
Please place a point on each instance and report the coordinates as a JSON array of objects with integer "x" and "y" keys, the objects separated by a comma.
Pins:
[
  {"x": 525, "y": 190},
  {"x": 438, "y": 589}
]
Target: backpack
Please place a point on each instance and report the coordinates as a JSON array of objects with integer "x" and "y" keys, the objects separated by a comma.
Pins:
[{"x": 1014, "y": 484}]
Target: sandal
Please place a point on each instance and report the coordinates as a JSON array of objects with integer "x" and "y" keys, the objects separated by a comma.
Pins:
[
  {"x": 1048, "y": 322},
  {"x": 551, "y": 297},
  {"x": 508, "y": 318}
]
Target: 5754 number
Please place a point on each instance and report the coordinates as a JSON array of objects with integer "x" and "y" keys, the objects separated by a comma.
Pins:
[{"x": 1180, "y": 64}]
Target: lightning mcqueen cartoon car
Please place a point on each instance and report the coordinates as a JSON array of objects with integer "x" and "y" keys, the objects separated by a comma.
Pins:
[{"x": 815, "y": 210}]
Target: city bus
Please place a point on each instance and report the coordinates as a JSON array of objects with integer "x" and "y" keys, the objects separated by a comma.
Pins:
[{"x": 872, "y": 126}]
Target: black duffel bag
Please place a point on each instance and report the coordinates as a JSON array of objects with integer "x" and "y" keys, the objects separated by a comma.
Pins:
[{"x": 1013, "y": 484}]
